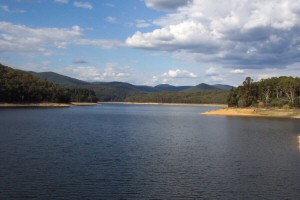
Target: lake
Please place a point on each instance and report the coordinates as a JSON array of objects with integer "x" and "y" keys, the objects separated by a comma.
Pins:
[{"x": 146, "y": 152}]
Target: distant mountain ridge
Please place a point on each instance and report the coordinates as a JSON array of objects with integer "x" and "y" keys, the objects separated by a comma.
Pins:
[
  {"x": 59, "y": 79},
  {"x": 119, "y": 91},
  {"x": 66, "y": 80}
]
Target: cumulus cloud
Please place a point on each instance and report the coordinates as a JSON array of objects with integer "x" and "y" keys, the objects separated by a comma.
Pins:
[
  {"x": 23, "y": 39},
  {"x": 178, "y": 73},
  {"x": 81, "y": 4},
  {"x": 175, "y": 77},
  {"x": 247, "y": 34},
  {"x": 165, "y": 4}
]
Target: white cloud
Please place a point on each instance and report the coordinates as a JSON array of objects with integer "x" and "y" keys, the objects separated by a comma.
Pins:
[
  {"x": 237, "y": 71},
  {"x": 178, "y": 73},
  {"x": 165, "y": 4},
  {"x": 111, "y": 19},
  {"x": 6, "y": 8},
  {"x": 212, "y": 71},
  {"x": 140, "y": 23},
  {"x": 111, "y": 72},
  {"x": 61, "y": 1},
  {"x": 86, "y": 73},
  {"x": 248, "y": 34},
  {"x": 23, "y": 39},
  {"x": 175, "y": 77},
  {"x": 107, "y": 44},
  {"x": 215, "y": 75},
  {"x": 81, "y": 4}
]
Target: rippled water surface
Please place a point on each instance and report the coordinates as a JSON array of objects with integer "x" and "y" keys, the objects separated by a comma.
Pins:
[{"x": 146, "y": 152}]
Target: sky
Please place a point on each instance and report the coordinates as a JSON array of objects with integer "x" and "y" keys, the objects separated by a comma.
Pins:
[{"x": 151, "y": 42}]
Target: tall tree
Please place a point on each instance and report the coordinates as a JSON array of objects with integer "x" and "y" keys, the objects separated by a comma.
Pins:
[
  {"x": 265, "y": 86},
  {"x": 289, "y": 86}
]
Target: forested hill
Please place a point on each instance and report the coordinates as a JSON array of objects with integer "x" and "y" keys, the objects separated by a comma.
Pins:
[
  {"x": 59, "y": 79},
  {"x": 121, "y": 91},
  {"x": 272, "y": 92},
  {"x": 21, "y": 87}
]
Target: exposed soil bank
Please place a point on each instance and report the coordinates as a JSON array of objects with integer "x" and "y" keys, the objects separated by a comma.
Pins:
[{"x": 256, "y": 112}]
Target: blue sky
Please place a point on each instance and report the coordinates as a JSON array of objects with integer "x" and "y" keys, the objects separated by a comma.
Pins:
[{"x": 180, "y": 42}]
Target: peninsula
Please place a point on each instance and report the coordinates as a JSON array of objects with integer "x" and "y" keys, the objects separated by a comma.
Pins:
[
  {"x": 255, "y": 112},
  {"x": 272, "y": 97}
]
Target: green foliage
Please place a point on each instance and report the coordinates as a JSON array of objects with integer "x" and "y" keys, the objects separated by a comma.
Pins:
[
  {"x": 232, "y": 99},
  {"x": 275, "y": 92},
  {"x": 297, "y": 102},
  {"x": 278, "y": 102},
  {"x": 204, "y": 97},
  {"x": 21, "y": 87}
]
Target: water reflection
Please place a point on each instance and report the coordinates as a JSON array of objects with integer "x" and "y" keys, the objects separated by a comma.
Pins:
[{"x": 298, "y": 137}]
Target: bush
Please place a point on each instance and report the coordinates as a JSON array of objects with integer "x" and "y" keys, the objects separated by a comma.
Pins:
[
  {"x": 297, "y": 102},
  {"x": 278, "y": 102},
  {"x": 242, "y": 103}
]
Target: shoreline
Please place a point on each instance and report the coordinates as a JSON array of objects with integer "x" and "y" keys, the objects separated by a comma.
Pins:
[
  {"x": 53, "y": 105},
  {"x": 255, "y": 112},
  {"x": 167, "y": 104},
  {"x": 85, "y": 104}
]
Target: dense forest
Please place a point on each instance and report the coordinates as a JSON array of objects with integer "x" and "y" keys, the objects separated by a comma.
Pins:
[
  {"x": 204, "y": 97},
  {"x": 21, "y": 87},
  {"x": 272, "y": 92}
]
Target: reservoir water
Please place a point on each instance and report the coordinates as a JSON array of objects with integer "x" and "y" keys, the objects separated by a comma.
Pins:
[{"x": 146, "y": 152}]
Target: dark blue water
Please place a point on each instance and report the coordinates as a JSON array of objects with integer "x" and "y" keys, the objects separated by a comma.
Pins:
[{"x": 146, "y": 152}]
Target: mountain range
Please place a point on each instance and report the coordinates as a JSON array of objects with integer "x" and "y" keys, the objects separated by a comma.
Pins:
[
  {"x": 68, "y": 81},
  {"x": 103, "y": 91},
  {"x": 119, "y": 91}
]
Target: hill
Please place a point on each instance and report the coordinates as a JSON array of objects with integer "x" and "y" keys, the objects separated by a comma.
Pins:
[
  {"x": 223, "y": 87},
  {"x": 171, "y": 88},
  {"x": 22, "y": 87},
  {"x": 201, "y": 87},
  {"x": 122, "y": 91},
  {"x": 59, "y": 79}
]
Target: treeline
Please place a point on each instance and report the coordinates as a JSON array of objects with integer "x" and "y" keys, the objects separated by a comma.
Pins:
[
  {"x": 271, "y": 92},
  {"x": 205, "y": 97},
  {"x": 111, "y": 94},
  {"x": 21, "y": 87}
]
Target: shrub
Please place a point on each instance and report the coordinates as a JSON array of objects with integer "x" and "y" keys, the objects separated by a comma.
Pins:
[
  {"x": 278, "y": 102},
  {"x": 297, "y": 102}
]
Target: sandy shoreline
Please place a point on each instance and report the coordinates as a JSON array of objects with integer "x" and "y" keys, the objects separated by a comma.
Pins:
[
  {"x": 84, "y": 104},
  {"x": 166, "y": 104},
  {"x": 8, "y": 105},
  {"x": 256, "y": 112},
  {"x": 21, "y": 105}
]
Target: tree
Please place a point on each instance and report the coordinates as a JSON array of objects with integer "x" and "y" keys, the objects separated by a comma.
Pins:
[
  {"x": 248, "y": 93},
  {"x": 265, "y": 87},
  {"x": 289, "y": 86}
]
